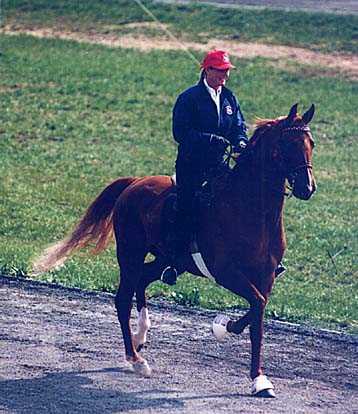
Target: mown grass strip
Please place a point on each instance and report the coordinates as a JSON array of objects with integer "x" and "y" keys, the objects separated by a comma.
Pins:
[
  {"x": 74, "y": 116},
  {"x": 318, "y": 31}
]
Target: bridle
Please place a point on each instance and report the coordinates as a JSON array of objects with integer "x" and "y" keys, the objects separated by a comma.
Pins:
[{"x": 291, "y": 174}]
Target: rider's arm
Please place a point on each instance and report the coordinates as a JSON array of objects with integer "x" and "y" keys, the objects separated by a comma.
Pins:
[
  {"x": 184, "y": 132},
  {"x": 238, "y": 132}
]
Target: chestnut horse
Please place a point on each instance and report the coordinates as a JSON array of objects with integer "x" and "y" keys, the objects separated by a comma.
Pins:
[{"x": 241, "y": 235}]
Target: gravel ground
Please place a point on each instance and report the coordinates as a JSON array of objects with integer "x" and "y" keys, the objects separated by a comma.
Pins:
[{"x": 61, "y": 352}]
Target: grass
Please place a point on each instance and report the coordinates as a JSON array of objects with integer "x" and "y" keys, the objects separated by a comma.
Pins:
[
  {"x": 74, "y": 116},
  {"x": 318, "y": 31}
]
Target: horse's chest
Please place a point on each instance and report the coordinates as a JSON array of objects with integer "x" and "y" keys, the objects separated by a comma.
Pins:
[{"x": 247, "y": 238}]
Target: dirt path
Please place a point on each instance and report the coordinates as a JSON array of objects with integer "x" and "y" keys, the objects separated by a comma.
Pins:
[
  {"x": 342, "y": 63},
  {"x": 61, "y": 352},
  {"x": 331, "y": 6}
]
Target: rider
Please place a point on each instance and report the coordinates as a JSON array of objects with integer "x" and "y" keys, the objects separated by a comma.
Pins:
[{"x": 206, "y": 119}]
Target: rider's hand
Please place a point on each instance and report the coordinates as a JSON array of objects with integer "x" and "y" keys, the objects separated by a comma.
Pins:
[
  {"x": 220, "y": 143},
  {"x": 240, "y": 146}
]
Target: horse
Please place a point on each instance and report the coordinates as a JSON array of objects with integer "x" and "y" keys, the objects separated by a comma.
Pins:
[{"x": 241, "y": 234}]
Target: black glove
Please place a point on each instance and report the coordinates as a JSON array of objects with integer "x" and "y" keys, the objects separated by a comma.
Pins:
[
  {"x": 220, "y": 143},
  {"x": 241, "y": 145}
]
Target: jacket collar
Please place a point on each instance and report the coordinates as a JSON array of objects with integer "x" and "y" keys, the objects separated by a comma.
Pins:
[
  {"x": 211, "y": 90},
  {"x": 204, "y": 89}
]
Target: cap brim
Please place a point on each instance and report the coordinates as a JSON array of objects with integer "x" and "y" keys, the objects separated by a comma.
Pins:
[{"x": 224, "y": 66}]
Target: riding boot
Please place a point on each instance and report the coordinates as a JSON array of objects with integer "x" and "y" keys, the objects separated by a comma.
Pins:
[
  {"x": 178, "y": 239},
  {"x": 170, "y": 273}
]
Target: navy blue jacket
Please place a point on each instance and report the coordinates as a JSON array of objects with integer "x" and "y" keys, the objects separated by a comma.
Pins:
[{"x": 195, "y": 118}]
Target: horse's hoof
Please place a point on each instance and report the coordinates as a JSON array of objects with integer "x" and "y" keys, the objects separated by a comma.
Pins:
[
  {"x": 127, "y": 366},
  {"x": 219, "y": 327},
  {"x": 142, "y": 368},
  {"x": 265, "y": 394},
  {"x": 262, "y": 387}
]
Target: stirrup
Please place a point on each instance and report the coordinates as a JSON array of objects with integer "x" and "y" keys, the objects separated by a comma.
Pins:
[
  {"x": 169, "y": 275},
  {"x": 280, "y": 270}
]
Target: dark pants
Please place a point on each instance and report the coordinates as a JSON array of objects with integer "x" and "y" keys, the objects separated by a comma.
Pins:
[
  {"x": 189, "y": 178},
  {"x": 192, "y": 169},
  {"x": 190, "y": 174}
]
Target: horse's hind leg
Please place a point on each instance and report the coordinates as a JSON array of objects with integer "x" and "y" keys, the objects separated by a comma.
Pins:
[
  {"x": 151, "y": 272},
  {"x": 131, "y": 257}
]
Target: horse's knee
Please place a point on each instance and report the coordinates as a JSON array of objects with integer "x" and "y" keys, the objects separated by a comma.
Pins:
[{"x": 259, "y": 303}]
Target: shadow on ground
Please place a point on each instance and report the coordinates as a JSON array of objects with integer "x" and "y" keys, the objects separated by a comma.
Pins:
[{"x": 75, "y": 392}]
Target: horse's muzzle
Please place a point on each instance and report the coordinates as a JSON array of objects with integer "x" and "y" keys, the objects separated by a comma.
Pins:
[
  {"x": 304, "y": 194},
  {"x": 304, "y": 191},
  {"x": 304, "y": 186}
]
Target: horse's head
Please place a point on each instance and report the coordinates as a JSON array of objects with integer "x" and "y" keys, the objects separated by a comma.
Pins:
[{"x": 293, "y": 151}]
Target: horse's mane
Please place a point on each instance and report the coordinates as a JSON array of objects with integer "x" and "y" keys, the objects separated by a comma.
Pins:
[
  {"x": 263, "y": 126},
  {"x": 262, "y": 129}
]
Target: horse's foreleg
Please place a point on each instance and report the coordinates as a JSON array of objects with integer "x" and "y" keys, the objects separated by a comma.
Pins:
[
  {"x": 243, "y": 287},
  {"x": 222, "y": 325},
  {"x": 256, "y": 335},
  {"x": 239, "y": 325},
  {"x": 257, "y": 300},
  {"x": 262, "y": 386}
]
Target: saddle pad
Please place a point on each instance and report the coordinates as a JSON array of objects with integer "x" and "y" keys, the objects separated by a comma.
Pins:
[{"x": 199, "y": 261}]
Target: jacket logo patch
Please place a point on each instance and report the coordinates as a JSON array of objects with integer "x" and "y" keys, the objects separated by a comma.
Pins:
[{"x": 228, "y": 109}]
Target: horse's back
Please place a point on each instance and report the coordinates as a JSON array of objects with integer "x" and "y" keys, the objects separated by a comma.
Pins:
[
  {"x": 146, "y": 190},
  {"x": 144, "y": 198}
]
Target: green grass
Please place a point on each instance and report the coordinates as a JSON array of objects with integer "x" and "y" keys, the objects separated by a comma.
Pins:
[
  {"x": 318, "y": 31},
  {"x": 73, "y": 117}
]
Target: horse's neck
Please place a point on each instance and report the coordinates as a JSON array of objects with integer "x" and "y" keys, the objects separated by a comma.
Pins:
[{"x": 259, "y": 186}]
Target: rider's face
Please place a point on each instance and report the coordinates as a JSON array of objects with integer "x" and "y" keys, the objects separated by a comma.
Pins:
[{"x": 217, "y": 77}]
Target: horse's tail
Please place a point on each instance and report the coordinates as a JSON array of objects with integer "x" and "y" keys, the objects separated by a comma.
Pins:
[{"x": 95, "y": 227}]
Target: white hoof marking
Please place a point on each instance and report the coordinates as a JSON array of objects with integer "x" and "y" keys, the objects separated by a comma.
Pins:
[
  {"x": 142, "y": 368},
  {"x": 261, "y": 383},
  {"x": 219, "y": 327},
  {"x": 127, "y": 366},
  {"x": 143, "y": 326}
]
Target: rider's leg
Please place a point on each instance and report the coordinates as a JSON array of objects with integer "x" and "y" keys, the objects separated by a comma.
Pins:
[{"x": 189, "y": 178}]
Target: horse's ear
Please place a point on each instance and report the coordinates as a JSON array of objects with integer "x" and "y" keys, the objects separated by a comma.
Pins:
[
  {"x": 307, "y": 116},
  {"x": 293, "y": 113}
]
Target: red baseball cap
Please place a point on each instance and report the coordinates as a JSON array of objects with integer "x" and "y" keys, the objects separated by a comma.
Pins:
[{"x": 217, "y": 59}]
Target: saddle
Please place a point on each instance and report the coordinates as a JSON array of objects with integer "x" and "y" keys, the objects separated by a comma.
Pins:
[{"x": 171, "y": 229}]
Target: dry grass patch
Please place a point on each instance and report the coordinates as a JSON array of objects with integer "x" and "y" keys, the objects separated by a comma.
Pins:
[{"x": 341, "y": 63}]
